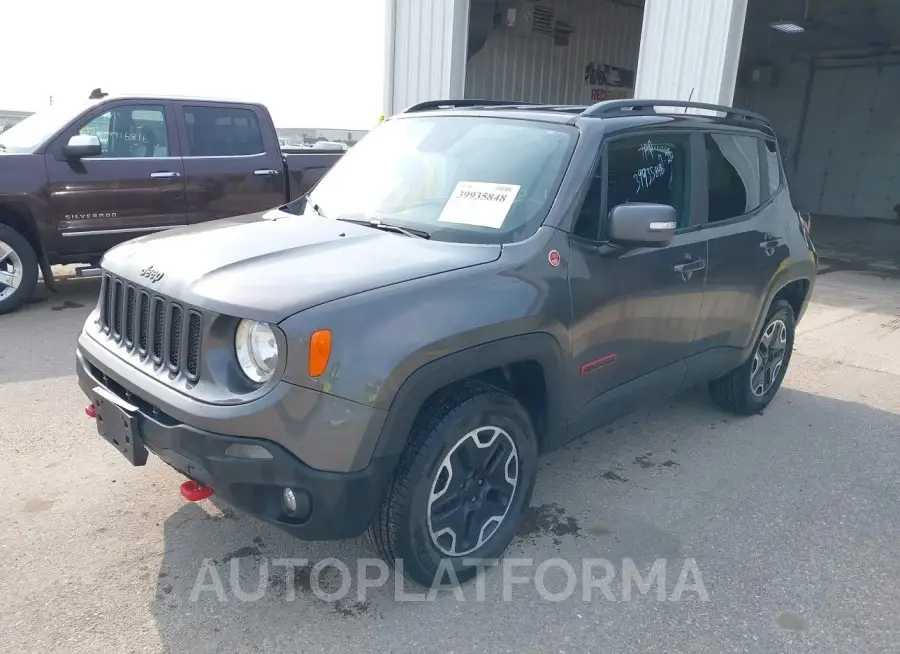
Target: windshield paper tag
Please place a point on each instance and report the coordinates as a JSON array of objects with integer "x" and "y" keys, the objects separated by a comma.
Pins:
[{"x": 481, "y": 204}]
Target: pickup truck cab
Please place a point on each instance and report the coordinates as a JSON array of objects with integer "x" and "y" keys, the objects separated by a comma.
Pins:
[{"x": 77, "y": 179}]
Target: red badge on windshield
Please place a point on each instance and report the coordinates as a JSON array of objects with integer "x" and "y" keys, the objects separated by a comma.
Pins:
[{"x": 554, "y": 258}]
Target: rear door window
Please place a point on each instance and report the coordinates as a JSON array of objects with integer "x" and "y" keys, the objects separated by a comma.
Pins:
[
  {"x": 733, "y": 168},
  {"x": 222, "y": 132}
]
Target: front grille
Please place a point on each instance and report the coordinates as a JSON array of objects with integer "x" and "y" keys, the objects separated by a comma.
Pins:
[
  {"x": 175, "y": 323},
  {"x": 192, "y": 365},
  {"x": 129, "y": 316},
  {"x": 152, "y": 326}
]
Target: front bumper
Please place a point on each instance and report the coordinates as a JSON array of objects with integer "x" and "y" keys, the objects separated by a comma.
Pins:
[{"x": 250, "y": 473}]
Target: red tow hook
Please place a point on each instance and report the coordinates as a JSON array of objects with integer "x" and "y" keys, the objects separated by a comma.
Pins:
[
  {"x": 194, "y": 491},
  {"x": 91, "y": 411}
]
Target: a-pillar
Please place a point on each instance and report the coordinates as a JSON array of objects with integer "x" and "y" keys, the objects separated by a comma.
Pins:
[{"x": 690, "y": 46}]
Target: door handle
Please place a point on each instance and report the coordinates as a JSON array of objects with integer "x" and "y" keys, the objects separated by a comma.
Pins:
[
  {"x": 690, "y": 266},
  {"x": 266, "y": 172},
  {"x": 164, "y": 175}
]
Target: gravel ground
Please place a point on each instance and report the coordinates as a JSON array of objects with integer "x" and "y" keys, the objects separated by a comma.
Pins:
[{"x": 779, "y": 532}]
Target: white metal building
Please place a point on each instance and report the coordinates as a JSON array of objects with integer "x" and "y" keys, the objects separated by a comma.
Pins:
[{"x": 826, "y": 72}]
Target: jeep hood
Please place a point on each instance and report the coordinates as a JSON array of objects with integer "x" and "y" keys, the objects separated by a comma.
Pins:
[{"x": 273, "y": 267}]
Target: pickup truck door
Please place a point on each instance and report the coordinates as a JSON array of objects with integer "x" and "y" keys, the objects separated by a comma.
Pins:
[
  {"x": 134, "y": 187},
  {"x": 232, "y": 160},
  {"x": 635, "y": 310}
]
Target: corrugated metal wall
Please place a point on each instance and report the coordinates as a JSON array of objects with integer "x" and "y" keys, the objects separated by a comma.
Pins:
[
  {"x": 533, "y": 69},
  {"x": 691, "y": 45},
  {"x": 426, "y": 51}
]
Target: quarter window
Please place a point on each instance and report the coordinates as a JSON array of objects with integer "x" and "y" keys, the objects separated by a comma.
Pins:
[
  {"x": 131, "y": 131},
  {"x": 222, "y": 132},
  {"x": 734, "y": 175},
  {"x": 773, "y": 166}
]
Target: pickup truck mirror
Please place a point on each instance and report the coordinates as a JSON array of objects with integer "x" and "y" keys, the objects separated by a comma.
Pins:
[
  {"x": 642, "y": 225},
  {"x": 83, "y": 145}
]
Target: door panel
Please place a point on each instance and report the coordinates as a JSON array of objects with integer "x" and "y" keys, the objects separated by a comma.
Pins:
[
  {"x": 746, "y": 240},
  {"x": 135, "y": 186},
  {"x": 230, "y": 167},
  {"x": 634, "y": 313}
]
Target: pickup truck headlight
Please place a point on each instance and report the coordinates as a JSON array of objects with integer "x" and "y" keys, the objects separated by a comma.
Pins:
[{"x": 256, "y": 350}]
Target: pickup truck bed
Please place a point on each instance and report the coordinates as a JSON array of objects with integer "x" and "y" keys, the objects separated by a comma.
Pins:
[{"x": 78, "y": 180}]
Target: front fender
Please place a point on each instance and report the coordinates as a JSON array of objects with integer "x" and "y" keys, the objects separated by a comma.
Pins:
[
  {"x": 392, "y": 347},
  {"x": 415, "y": 390}
]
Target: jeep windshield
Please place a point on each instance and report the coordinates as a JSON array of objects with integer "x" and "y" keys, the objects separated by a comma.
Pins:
[
  {"x": 27, "y": 136},
  {"x": 470, "y": 179}
]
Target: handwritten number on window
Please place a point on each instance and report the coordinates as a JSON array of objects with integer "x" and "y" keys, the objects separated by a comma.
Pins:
[{"x": 658, "y": 160}]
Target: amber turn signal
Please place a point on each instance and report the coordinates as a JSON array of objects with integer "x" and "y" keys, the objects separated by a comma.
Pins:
[{"x": 319, "y": 352}]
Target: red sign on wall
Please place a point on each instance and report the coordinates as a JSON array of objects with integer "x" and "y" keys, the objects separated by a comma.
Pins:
[{"x": 601, "y": 94}]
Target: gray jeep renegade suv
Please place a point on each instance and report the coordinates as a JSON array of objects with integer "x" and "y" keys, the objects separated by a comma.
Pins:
[{"x": 472, "y": 285}]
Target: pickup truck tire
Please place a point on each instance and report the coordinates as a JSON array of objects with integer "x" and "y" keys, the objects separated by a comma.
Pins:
[
  {"x": 749, "y": 388},
  {"x": 471, "y": 458},
  {"x": 17, "y": 257}
]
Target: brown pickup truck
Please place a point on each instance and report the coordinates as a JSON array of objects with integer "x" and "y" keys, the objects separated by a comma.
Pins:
[{"x": 76, "y": 180}]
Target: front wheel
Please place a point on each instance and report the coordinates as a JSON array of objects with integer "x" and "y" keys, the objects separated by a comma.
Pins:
[
  {"x": 749, "y": 388},
  {"x": 462, "y": 487},
  {"x": 18, "y": 270}
]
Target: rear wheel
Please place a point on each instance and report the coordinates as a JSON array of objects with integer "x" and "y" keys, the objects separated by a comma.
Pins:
[
  {"x": 462, "y": 487},
  {"x": 18, "y": 269},
  {"x": 749, "y": 388}
]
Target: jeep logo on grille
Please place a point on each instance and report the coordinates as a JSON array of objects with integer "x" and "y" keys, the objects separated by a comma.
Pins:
[{"x": 152, "y": 274}]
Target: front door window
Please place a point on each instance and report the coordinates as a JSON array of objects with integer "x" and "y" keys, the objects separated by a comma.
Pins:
[{"x": 131, "y": 131}]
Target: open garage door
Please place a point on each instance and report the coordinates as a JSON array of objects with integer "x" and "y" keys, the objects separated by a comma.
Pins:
[
  {"x": 827, "y": 74},
  {"x": 553, "y": 51},
  {"x": 848, "y": 161}
]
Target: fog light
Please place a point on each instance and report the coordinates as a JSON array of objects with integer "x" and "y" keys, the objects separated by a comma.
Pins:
[{"x": 290, "y": 501}]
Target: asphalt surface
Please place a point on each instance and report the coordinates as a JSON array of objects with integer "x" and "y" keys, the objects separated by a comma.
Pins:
[{"x": 791, "y": 519}]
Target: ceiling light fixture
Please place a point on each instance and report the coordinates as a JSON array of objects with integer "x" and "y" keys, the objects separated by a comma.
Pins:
[{"x": 787, "y": 27}]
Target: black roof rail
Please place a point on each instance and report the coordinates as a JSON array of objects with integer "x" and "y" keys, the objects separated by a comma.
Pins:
[
  {"x": 431, "y": 105},
  {"x": 617, "y": 107}
]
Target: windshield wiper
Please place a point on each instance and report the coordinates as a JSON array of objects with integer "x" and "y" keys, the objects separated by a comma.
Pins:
[{"x": 378, "y": 224}]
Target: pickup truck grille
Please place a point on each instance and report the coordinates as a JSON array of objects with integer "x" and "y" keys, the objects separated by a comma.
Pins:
[{"x": 151, "y": 326}]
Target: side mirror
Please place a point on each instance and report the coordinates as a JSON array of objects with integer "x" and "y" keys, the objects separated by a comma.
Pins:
[
  {"x": 642, "y": 225},
  {"x": 83, "y": 145}
]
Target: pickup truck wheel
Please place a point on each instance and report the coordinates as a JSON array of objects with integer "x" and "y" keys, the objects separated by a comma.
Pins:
[
  {"x": 18, "y": 269},
  {"x": 749, "y": 389},
  {"x": 462, "y": 486}
]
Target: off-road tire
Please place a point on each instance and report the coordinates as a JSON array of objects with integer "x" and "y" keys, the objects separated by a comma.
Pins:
[
  {"x": 27, "y": 256},
  {"x": 400, "y": 530},
  {"x": 732, "y": 391}
]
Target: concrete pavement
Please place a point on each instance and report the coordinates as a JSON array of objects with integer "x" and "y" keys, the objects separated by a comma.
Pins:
[{"x": 792, "y": 519}]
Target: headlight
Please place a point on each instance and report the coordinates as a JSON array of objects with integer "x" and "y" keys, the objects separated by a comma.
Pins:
[{"x": 256, "y": 350}]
